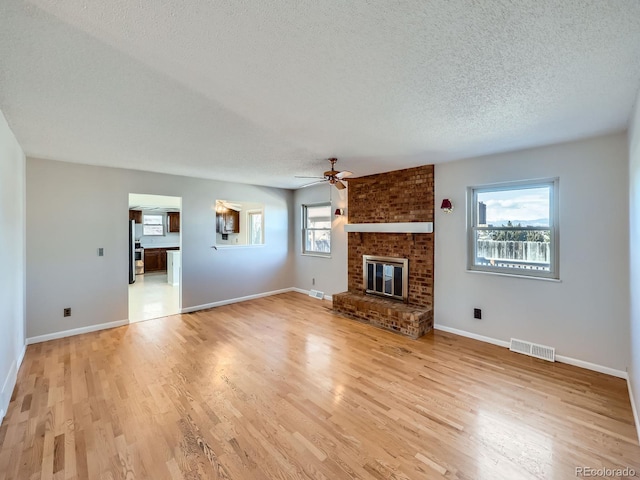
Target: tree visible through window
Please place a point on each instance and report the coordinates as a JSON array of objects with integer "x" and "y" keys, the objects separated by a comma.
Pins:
[
  {"x": 316, "y": 229},
  {"x": 513, "y": 228}
]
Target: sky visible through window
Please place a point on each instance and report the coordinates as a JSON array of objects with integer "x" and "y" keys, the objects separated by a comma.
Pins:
[{"x": 525, "y": 206}]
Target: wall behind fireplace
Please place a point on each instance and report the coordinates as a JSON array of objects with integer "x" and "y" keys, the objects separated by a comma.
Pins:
[{"x": 398, "y": 196}]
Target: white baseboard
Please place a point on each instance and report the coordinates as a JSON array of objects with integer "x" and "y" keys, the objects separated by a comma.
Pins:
[
  {"x": 559, "y": 358},
  {"x": 636, "y": 419},
  {"x": 10, "y": 383},
  {"x": 234, "y": 300},
  {"x": 21, "y": 356},
  {"x": 76, "y": 331},
  {"x": 7, "y": 389},
  {"x": 592, "y": 366},
  {"x": 306, "y": 292},
  {"x": 475, "y": 336}
]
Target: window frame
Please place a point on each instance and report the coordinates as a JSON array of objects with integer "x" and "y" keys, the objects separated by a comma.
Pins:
[
  {"x": 250, "y": 213},
  {"x": 161, "y": 224},
  {"x": 554, "y": 230},
  {"x": 304, "y": 229}
]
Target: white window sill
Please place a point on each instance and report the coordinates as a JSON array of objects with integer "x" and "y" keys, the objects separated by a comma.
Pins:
[
  {"x": 319, "y": 255},
  {"x": 515, "y": 275}
]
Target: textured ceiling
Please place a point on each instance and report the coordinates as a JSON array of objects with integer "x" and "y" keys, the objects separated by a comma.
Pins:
[
  {"x": 143, "y": 201},
  {"x": 258, "y": 91}
]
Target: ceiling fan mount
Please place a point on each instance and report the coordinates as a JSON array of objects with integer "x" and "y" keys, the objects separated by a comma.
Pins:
[{"x": 333, "y": 176}]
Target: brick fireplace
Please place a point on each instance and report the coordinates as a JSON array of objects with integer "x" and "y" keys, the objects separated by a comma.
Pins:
[{"x": 393, "y": 197}]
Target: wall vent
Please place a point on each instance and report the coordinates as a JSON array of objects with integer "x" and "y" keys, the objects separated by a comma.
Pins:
[
  {"x": 533, "y": 350},
  {"x": 316, "y": 294}
]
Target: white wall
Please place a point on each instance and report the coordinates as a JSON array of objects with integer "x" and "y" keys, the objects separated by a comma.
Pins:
[
  {"x": 73, "y": 209},
  {"x": 330, "y": 273},
  {"x": 12, "y": 261},
  {"x": 586, "y": 315},
  {"x": 634, "y": 241}
]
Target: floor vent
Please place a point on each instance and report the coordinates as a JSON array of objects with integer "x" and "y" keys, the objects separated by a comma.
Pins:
[
  {"x": 316, "y": 294},
  {"x": 533, "y": 349}
]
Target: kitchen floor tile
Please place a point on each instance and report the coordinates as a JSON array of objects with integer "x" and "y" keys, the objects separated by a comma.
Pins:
[{"x": 152, "y": 297}]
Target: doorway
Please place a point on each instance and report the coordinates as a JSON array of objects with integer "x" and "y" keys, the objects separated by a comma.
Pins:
[{"x": 155, "y": 256}]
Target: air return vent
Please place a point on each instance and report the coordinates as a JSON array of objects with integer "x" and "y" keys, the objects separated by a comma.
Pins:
[
  {"x": 533, "y": 349},
  {"x": 316, "y": 294}
]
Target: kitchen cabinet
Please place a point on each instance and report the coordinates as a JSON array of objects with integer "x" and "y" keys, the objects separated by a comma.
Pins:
[
  {"x": 152, "y": 260},
  {"x": 173, "y": 222},
  {"x": 228, "y": 221},
  {"x": 155, "y": 259},
  {"x": 135, "y": 215}
]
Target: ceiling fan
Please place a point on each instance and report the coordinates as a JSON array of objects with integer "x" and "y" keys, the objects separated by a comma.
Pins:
[{"x": 333, "y": 176}]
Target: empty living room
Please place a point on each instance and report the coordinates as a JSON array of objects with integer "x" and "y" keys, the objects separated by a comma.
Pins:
[{"x": 398, "y": 239}]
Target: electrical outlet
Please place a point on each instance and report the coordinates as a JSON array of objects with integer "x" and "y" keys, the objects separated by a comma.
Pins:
[
  {"x": 477, "y": 313},
  {"x": 67, "y": 312},
  {"x": 313, "y": 281},
  {"x": 101, "y": 252}
]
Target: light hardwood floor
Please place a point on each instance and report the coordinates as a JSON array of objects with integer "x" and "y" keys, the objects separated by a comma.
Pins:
[{"x": 281, "y": 388}]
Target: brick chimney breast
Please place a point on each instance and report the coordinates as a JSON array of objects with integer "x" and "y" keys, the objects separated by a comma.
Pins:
[{"x": 398, "y": 196}]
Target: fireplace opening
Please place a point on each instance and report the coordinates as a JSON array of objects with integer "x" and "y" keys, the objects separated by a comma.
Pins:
[{"x": 386, "y": 276}]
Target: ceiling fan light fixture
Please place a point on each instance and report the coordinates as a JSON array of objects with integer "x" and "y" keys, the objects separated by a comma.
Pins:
[{"x": 332, "y": 176}]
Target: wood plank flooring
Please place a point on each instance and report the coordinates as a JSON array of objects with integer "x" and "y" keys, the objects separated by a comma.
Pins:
[{"x": 282, "y": 388}]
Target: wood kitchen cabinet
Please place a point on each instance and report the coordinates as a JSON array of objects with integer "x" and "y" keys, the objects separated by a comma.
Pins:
[
  {"x": 173, "y": 222},
  {"x": 136, "y": 215},
  {"x": 228, "y": 222},
  {"x": 152, "y": 258},
  {"x": 155, "y": 259}
]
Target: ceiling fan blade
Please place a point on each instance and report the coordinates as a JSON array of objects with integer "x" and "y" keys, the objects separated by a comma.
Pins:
[
  {"x": 312, "y": 183},
  {"x": 332, "y": 176}
]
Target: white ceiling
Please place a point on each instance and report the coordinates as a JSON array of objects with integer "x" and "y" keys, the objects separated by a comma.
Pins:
[
  {"x": 258, "y": 91},
  {"x": 141, "y": 201}
]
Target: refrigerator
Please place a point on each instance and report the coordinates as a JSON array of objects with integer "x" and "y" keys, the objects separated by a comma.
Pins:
[{"x": 132, "y": 251}]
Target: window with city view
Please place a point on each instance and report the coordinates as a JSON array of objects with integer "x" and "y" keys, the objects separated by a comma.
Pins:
[{"x": 513, "y": 228}]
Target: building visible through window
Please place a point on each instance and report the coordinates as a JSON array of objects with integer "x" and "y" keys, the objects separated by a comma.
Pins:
[{"x": 513, "y": 228}]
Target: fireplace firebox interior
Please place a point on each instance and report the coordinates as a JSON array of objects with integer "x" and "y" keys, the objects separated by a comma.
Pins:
[{"x": 386, "y": 276}]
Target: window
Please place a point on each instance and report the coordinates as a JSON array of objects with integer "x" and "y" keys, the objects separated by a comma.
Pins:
[
  {"x": 316, "y": 229},
  {"x": 255, "y": 224},
  {"x": 153, "y": 225},
  {"x": 513, "y": 228}
]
